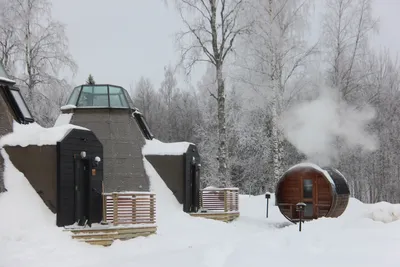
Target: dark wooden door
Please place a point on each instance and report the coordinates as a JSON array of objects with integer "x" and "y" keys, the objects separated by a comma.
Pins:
[
  {"x": 195, "y": 186},
  {"x": 308, "y": 192},
  {"x": 77, "y": 189},
  {"x": 95, "y": 197},
  {"x": 82, "y": 191}
]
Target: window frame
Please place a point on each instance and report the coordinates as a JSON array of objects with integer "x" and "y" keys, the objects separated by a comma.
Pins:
[
  {"x": 143, "y": 125},
  {"x": 123, "y": 94},
  {"x": 15, "y": 105}
]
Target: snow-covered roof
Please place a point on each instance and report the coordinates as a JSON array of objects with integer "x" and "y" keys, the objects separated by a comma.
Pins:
[
  {"x": 316, "y": 167},
  {"x": 213, "y": 188},
  {"x": 34, "y": 134},
  {"x": 4, "y": 79},
  {"x": 4, "y": 76},
  {"x": 63, "y": 119},
  {"x": 156, "y": 147},
  {"x": 67, "y": 107}
]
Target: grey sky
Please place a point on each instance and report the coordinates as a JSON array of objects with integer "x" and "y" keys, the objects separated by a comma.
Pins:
[
  {"x": 389, "y": 21},
  {"x": 118, "y": 41}
]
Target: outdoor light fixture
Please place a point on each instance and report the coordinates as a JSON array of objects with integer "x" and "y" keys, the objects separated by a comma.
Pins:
[
  {"x": 96, "y": 161},
  {"x": 300, "y": 207},
  {"x": 83, "y": 154},
  {"x": 267, "y": 196}
]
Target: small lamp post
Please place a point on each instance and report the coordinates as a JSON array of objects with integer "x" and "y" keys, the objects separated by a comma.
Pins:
[
  {"x": 300, "y": 207},
  {"x": 267, "y": 196}
]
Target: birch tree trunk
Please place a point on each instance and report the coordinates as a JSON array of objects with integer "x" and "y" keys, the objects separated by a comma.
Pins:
[
  {"x": 214, "y": 25},
  {"x": 222, "y": 146}
]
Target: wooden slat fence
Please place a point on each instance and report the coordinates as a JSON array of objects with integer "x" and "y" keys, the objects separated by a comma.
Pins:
[
  {"x": 220, "y": 199},
  {"x": 129, "y": 208}
]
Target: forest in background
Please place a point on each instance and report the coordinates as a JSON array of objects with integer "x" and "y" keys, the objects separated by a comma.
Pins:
[{"x": 276, "y": 91}]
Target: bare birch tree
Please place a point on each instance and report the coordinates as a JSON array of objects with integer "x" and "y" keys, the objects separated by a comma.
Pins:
[
  {"x": 346, "y": 28},
  {"x": 8, "y": 38},
  {"x": 276, "y": 55},
  {"x": 37, "y": 47},
  {"x": 212, "y": 29},
  {"x": 144, "y": 98}
]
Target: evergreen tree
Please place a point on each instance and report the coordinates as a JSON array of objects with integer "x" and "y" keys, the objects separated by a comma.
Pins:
[{"x": 90, "y": 80}]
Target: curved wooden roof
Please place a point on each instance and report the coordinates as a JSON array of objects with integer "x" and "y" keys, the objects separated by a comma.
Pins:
[{"x": 341, "y": 186}]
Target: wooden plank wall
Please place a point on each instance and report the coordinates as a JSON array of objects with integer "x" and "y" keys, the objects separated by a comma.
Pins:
[
  {"x": 224, "y": 199},
  {"x": 129, "y": 208}
]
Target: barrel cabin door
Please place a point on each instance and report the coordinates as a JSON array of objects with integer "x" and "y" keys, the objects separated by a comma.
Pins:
[
  {"x": 308, "y": 195},
  {"x": 308, "y": 190}
]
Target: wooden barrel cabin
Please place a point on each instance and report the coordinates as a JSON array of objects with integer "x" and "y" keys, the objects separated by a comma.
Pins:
[{"x": 324, "y": 191}]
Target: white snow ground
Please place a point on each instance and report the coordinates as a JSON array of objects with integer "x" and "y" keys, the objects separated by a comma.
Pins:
[{"x": 360, "y": 237}]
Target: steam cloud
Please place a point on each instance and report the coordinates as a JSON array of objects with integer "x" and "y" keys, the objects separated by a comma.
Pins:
[{"x": 313, "y": 127}]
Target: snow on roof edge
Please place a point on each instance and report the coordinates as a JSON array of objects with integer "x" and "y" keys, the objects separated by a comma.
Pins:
[
  {"x": 7, "y": 80},
  {"x": 156, "y": 147},
  {"x": 33, "y": 134},
  {"x": 344, "y": 177},
  {"x": 316, "y": 167},
  {"x": 67, "y": 107},
  {"x": 63, "y": 119},
  {"x": 130, "y": 193}
]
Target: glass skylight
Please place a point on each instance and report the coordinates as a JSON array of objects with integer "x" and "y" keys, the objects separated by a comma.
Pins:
[{"x": 98, "y": 96}]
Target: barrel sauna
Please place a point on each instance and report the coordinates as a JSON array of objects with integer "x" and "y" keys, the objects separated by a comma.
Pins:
[{"x": 325, "y": 192}]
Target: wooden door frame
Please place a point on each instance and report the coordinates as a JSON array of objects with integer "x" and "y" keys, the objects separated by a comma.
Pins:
[
  {"x": 314, "y": 199},
  {"x": 85, "y": 196}
]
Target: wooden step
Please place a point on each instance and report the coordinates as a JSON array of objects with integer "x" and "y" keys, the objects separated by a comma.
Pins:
[
  {"x": 99, "y": 241},
  {"x": 100, "y": 235},
  {"x": 219, "y": 216},
  {"x": 106, "y": 234}
]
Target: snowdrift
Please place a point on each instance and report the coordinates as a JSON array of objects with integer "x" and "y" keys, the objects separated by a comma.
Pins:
[
  {"x": 383, "y": 212},
  {"x": 28, "y": 232},
  {"x": 29, "y": 237}
]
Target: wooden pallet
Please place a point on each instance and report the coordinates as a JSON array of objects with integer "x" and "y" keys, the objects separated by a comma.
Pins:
[
  {"x": 106, "y": 234},
  {"x": 220, "y": 216}
]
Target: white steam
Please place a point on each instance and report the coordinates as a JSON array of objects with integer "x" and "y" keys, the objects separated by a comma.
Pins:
[{"x": 313, "y": 127}]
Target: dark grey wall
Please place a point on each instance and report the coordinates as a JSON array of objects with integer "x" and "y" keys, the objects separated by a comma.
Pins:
[
  {"x": 6, "y": 121},
  {"x": 72, "y": 144},
  {"x": 38, "y": 164},
  {"x": 171, "y": 169},
  {"x": 122, "y": 143},
  {"x": 176, "y": 172}
]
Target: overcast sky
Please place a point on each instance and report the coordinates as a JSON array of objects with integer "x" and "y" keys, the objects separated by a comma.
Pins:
[{"x": 118, "y": 41}]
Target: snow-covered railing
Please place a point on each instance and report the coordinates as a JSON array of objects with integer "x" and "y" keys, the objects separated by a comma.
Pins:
[
  {"x": 129, "y": 208},
  {"x": 219, "y": 199}
]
